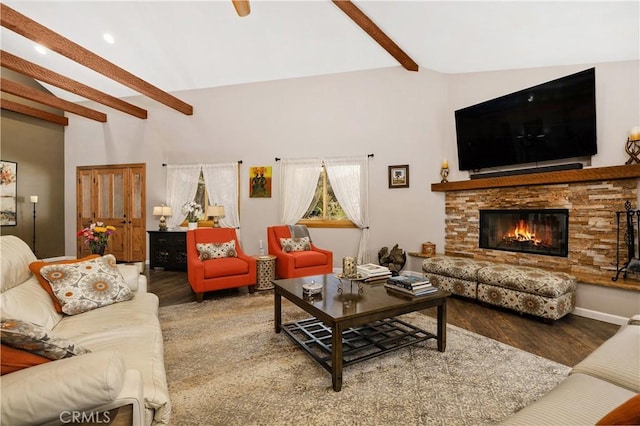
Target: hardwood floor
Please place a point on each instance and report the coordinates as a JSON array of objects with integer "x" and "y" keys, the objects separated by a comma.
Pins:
[{"x": 566, "y": 341}]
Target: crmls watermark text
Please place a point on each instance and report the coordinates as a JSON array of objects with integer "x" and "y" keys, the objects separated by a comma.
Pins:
[{"x": 96, "y": 417}]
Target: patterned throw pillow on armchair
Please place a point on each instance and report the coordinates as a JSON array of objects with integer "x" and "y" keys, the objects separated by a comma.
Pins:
[
  {"x": 295, "y": 244},
  {"x": 217, "y": 250}
]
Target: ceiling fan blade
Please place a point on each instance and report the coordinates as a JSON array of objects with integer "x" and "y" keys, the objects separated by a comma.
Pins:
[{"x": 243, "y": 8}]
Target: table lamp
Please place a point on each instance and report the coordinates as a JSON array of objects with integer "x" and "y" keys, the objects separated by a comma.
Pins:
[
  {"x": 216, "y": 212},
  {"x": 162, "y": 211}
]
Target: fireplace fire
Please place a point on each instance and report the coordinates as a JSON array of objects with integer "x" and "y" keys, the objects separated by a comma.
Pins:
[{"x": 543, "y": 231}]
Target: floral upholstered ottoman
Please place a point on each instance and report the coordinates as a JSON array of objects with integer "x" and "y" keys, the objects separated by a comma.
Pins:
[
  {"x": 547, "y": 294},
  {"x": 529, "y": 290},
  {"x": 457, "y": 275}
]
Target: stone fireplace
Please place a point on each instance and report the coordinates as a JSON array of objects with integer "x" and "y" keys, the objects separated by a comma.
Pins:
[
  {"x": 539, "y": 231},
  {"x": 589, "y": 196}
]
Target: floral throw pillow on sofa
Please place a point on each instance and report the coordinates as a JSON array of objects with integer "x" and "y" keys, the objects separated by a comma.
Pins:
[
  {"x": 217, "y": 250},
  {"x": 295, "y": 244},
  {"x": 88, "y": 285},
  {"x": 37, "y": 340}
]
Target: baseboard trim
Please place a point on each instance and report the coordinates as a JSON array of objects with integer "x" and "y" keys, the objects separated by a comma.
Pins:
[{"x": 600, "y": 316}]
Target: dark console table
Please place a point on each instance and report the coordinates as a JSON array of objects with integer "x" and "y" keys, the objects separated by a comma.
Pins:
[{"x": 168, "y": 250}]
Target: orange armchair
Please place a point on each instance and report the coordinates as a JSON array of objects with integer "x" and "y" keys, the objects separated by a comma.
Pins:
[
  {"x": 218, "y": 273},
  {"x": 297, "y": 263}
]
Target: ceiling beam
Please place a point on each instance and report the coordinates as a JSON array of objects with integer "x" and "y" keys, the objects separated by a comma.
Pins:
[
  {"x": 32, "y": 94},
  {"x": 33, "y": 112},
  {"x": 37, "y": 72},
  {"x": 363, "y": 21},
  {"x": 34, "y": 31}
]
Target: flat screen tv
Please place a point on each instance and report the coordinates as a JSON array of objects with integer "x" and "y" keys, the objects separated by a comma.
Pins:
[{"x": 552, "y": 121}]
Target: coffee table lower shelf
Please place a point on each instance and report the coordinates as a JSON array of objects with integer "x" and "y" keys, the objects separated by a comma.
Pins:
[{"x": 358, "y": 343}]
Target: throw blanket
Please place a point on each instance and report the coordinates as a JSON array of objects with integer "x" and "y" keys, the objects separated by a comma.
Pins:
[{"x": 299, "y": 231}]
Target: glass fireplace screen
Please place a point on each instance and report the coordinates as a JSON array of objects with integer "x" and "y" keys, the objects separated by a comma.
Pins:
[{"x": 543, "y": 231}]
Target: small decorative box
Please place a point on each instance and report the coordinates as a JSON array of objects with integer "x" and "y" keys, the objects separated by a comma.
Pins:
[
  {"x": 429, "y": 249},
  {"x": 311, "y": 288}
]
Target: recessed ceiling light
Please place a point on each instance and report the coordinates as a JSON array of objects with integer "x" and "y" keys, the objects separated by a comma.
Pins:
[
  {"x": 108, "y": 38},
  {"x": 41, "y": 49}
]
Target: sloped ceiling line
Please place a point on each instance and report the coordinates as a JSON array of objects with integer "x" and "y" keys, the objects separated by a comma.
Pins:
[
  {"x": 26, "y": 27},
  {"x": 363, "y": 21},
  {"x": 39, "y": 73}
]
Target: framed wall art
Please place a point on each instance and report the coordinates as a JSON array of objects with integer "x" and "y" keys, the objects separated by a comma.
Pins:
[
  {"x": 260, "y": 182},
  {"x": 8, "y": 193},
  {"x": 399, "y": 176}
]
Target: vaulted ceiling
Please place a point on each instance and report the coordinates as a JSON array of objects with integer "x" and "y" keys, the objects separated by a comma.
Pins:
[{"x": 182, "y": 45}]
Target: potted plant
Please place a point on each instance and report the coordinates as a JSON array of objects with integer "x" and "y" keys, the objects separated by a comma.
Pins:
[{"x": 193, "y": 211}]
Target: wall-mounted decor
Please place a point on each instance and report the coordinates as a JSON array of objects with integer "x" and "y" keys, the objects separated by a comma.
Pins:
[
  {"x": 399, "y": 176},
  {"x": 260, "y": 182},
  {"x": 8, "y": 193}
]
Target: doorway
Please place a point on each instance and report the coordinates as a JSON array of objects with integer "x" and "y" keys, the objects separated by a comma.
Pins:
[{"x": 114, "y": 195}]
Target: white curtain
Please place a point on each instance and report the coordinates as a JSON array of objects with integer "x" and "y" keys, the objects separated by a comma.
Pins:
[
  {"x": 349, "y": 177},
  {"x": 298, "y": 182},
  {"x": 221, "y": 181},
  {"x": 182, "y": 184}
]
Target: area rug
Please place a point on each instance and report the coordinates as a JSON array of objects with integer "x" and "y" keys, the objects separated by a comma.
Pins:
[{"x": 226, "y": 366}]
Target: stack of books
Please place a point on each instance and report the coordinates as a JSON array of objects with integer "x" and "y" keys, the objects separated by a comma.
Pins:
[
  {"x": 410, "y": 285},
  {"x": 372, "y": 272}
]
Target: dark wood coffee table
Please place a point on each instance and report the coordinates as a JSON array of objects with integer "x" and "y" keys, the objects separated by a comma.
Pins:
[{"x": 354, "y": 321}]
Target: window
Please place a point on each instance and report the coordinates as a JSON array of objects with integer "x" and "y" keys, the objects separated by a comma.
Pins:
[
  {"x": 218, "y": 180},
  {"x": 325, "y": 211},
  {"x": 202, "y": 197}
]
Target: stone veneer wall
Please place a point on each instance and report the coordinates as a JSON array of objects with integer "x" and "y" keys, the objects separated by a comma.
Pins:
[{"x": 592, "y": 222}]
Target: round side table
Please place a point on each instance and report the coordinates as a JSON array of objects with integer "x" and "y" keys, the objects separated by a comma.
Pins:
[{"x": 266, "y": 271}]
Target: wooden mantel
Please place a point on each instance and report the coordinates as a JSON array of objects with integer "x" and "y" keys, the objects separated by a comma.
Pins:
[{"x": 566, "y": 176}]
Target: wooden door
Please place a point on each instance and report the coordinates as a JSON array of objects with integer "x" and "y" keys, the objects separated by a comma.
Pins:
[
  {"x": 116, "y": 197},
  {"x": 111, "y": 199},
  {"x": 137, "y": 219}
]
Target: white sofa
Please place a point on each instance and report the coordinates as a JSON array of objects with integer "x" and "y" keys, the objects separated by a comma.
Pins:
[
  {"x": 124, "y": 369},
  {"x": 598, "y": 386}
]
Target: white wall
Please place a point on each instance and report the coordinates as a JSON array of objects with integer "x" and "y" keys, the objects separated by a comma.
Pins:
[
  {"x": 401, "y": 117},
  {"x": 394, "y": 114}
]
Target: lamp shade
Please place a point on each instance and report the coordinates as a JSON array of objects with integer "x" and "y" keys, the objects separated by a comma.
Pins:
[
  {"x": 215, "y": 211},
  {"x": 162, "y": 211}
]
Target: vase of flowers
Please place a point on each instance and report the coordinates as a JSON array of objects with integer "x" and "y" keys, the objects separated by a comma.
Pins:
[
  {"x": 96, "y": 236},
  {"x": 193, "y": 211}
]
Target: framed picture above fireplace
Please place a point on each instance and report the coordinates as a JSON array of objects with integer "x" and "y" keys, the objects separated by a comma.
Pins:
[{"x": 541, "y": 231}]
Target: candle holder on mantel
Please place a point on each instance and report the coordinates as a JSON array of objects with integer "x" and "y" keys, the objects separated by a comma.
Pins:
[
  {"x": 444, "y": 174},
  {"x": 632, "y": 146}
]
